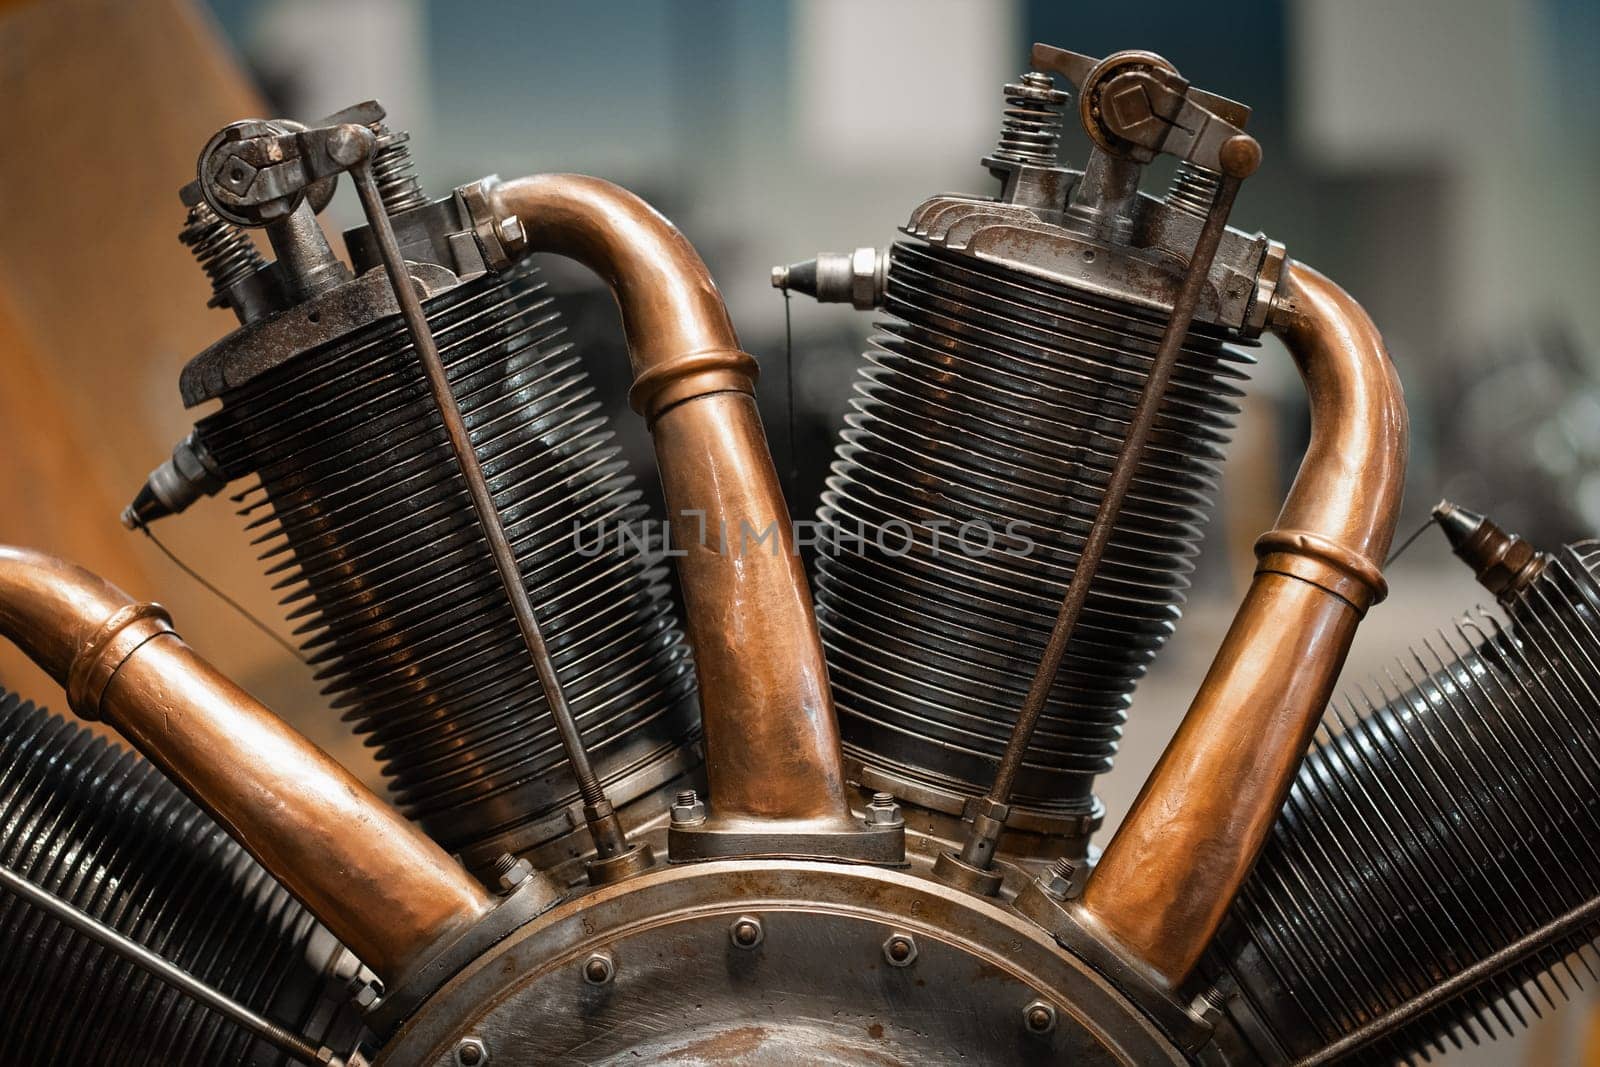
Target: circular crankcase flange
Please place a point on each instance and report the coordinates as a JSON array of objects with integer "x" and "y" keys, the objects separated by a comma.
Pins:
[{"x": 815, "y": 987}]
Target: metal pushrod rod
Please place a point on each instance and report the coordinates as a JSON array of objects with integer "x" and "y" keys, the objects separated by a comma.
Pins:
[
  {"x": 1570, "y": 923},
  {"x": 604, "y": 826},
  {"x": 981, "y": 840},
  {"x": 159, "y": 968}
]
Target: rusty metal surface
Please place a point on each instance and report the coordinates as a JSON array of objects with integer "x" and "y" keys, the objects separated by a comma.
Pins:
[
  {"x": 842, "y": 965},
  {"x": 1167, "y": 877},
  {"x": 377, "y": 881}
]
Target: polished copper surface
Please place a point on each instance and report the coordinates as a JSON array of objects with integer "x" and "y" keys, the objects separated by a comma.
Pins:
[
  {"x": 772, "y": 741},
  {"x": 1169, "y": 874},
  {"x": 376, "y": 881}
]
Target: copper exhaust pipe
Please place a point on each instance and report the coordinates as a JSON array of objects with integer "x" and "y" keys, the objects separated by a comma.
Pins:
[
  {"x": 381, "y": 885},
  {"x": 1167, "y": 877},
  {"x": 772, "y": 739}
]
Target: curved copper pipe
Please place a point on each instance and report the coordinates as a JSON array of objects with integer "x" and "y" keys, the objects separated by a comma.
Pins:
[
  {"x": 380, "y": 884},
  {"x": 772, "y": 739},
  {"x": 1169, "y": 874}
]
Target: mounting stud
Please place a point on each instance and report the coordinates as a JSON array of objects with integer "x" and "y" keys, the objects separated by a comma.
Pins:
[
  {"x": 746, "y": 932},
  {"x": 1039, "y": 1017}
]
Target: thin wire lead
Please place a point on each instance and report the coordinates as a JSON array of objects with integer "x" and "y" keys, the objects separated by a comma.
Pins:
[
  {"x": 1408, "y": 541},
  {"x": 207, "y": 585}
]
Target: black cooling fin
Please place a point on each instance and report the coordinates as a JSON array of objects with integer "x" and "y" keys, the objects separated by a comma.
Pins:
[
  {"x": 1002, "y": 400},
  {"x": 369, "y": 530},
  {"x": 101, "y": 828},
  {"x": 1443, "y": 814}
]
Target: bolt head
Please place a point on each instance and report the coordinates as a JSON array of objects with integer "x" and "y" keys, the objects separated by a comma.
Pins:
[
  {"x": 1039, "y": 1017},
  {"x": 470, "y": 1052},
  {"x": 900, "y": 950},
  {"x": 510, "y": 231},
  {"x": 746, "y": 932},
  {"x": 599, "y": 968}
]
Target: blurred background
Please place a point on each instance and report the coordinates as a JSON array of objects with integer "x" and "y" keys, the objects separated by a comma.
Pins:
[{"x": 1439, "y": 158}]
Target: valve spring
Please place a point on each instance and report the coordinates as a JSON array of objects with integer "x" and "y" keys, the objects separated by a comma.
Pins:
[
  {"x": 223, "y": 250},
  {"x": 369, "y": 528},
  {"x": 102, "y": 829},
  {"x": 1423, "y": 835},
  {"x": 1194, "y": 189},
  {"x": 1030, "y": 131},
  {"x": 997, "y": 399},
  {"x": 395, "y": 172}
]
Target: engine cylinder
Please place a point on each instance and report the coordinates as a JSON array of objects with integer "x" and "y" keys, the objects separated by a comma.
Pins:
[
  {"x": 1426, "y": 833},
  {"x": 370, "y": 529},
  {"x": 967, "y": 476},
  {"x": 101, "y": 828}
]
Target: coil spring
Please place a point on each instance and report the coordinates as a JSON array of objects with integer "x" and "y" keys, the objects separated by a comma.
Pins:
[
  {"x": 102, "y": 829},
  {"x": 1030, "y": 131},
  {"x": 369, "y": 528},
  {"x": 395, "y": 172},
  {"x": 994, "y": 399},
  {"x": 224, "y": 251},
  {"x": 1424, "y": 834},
  {"x": 1193, "y": 189}
]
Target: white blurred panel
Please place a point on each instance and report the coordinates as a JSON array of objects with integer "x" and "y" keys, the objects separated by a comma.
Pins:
[
  {"x": 1469, "y": 90},
  {"x": 895, "y": 83},
  {"x": 1407, "y": 80}
]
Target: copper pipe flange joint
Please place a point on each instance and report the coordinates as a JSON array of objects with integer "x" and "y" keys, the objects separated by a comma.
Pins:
[
  {"x": 119, "y": 637},
  {"x": 671, "y": 382},
  {"x": 1347, "y": 574},
  {"x": 1076, "y": 930},
  {"x": 536, "y": 894}
]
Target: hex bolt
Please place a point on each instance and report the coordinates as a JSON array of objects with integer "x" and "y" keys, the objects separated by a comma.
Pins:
[
  {"x": 746, "y": 932},
  {"x": 900, "y": 950},
  {"x": 510, "y": 872},
  {"x": 1056, "y": 879},
  {"x": 470, "y": 1052},
  {"x": 599, "y": 968},
  {"x": 883, "y": 811},
  {"x": 688, "y": 809},
  {"x": 1039, "y": 1017},
  {"x": 511, "y": 232}
]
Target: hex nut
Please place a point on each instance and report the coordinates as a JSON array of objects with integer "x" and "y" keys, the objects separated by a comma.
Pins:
[
  {"x": 1039, "y": 1017},
  {"x": 688, "y": 809},
  {"x": 470, "y": 1052},
  {"x": 1056, "y": 879},
  {"x": 746, "y": 932},
  {"x": 882, "y": 810},
  {"x": 514, "y": 875},
  {"x": 900, "y": 950},
  {"x": 599, "y": 968}
]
